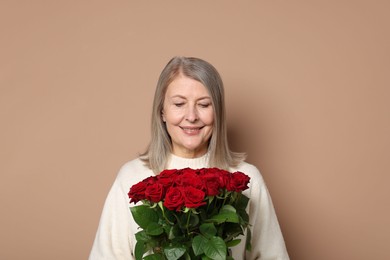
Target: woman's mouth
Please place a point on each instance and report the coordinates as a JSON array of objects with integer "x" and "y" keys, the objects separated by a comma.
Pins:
[{"x": 191, "y": 130}]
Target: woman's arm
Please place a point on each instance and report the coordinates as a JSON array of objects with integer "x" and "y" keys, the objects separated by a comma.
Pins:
[
  {"x": 112, "y": 241},
  {"x": 267, "y": 239}
]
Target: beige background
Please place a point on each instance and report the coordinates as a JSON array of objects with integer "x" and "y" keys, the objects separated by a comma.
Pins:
[{"x": 307, "y": 87}]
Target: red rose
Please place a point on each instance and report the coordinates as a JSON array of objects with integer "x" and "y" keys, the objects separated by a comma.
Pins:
[
  {"x": 168, "y": 173},
  {"x": 188, "y": 170},
  {"x": 154, "y": 192},
  {"x": 189, "y": 177},
  {"x": 223, "y": 177},
  {"x": 137, "y": 192},
  {"x": 215, "y": 179},
  {"x": 211, "y": 183},
  {"x": 174, "y": 199},
  {"x": 150, "y": 180},
  {"x": 193, "y": 197},
  {"x": 167, "y": 177},
  {"x": 238, "y": 182}
]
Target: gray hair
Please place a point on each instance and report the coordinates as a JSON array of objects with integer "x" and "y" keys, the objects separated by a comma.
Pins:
[{"x": 160, "y": 146}]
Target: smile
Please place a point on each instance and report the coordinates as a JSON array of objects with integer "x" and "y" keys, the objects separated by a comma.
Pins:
[{"x": 191, "y": 130}]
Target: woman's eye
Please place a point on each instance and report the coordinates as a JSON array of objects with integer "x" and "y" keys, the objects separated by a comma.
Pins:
[
  {"x": 179, "y": 104},
  {"x": 204, "y": 105}
]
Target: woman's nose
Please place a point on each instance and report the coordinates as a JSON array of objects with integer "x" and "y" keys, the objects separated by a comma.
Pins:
[{"x": 191, "y": 114}]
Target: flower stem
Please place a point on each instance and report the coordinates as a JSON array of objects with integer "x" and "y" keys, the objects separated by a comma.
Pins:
[{"x": 188, "y": 222}]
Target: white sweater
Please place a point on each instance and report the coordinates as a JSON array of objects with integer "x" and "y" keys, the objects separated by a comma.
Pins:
[{"x": 115, "y": 238}]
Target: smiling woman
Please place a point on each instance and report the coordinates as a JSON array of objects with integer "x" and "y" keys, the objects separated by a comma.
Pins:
[
  {"x": 192, "y": 86},
  {"x": 188, "y": 131},
  {"x": 188, "y": 116}
]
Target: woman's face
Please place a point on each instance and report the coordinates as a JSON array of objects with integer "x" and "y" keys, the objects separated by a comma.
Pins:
[{"x": 189, "y": 116}]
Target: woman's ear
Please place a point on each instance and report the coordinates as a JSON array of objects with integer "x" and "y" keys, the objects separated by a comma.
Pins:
[{"x": 163, "y": 116}]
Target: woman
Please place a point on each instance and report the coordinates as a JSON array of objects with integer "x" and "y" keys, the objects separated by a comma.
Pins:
[{"x": 188, "y": 130}]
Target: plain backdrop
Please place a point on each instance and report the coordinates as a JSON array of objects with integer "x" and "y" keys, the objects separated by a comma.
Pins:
[{"x": 307, "y": 93}]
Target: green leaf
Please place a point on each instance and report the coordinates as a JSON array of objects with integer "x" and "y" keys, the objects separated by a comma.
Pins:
[
  {"x": 208, "y": 229},
  {"x": 242, "y": 202},
  {"x": 233, "y": 242},
  {"x": 174, "y": 232},
  {"x": 204, "y": 257},
  {"x": 226, "y": 214},
  {"x": 174, "y": 253},
  {"x": 169, "y": 216},
  {"x": 248, "y": 244},
  {"x": 153, "y": 257},
  {"x": 154, "y": 229},
  {"x": 139, "y": 250},
  {"x": 194, "y": 221},
  {"x": 141, "y": 236},
  {"x": 210, "y": 199},
  {"x": 198, "y": 244},
  {"x": 244, "y": 216},
  {"x": 232, "y": 230},
  {"x": 187, "y": 256},
  {"x": 228, "y": 208},
  {"x": 215, "y": 249},
  {"x": 167, "y": 229},
  {"x": 143, "y": 215}
]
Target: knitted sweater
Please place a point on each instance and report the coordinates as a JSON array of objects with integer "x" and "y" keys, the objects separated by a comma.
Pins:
[{"x": 115, "y": 238}]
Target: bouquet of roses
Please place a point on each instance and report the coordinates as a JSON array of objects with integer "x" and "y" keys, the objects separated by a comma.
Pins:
[{"x": 190, "y": 214}]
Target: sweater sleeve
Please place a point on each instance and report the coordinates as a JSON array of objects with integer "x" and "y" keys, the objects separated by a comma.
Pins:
[
  {"x": 113, "y": 241},
  {"x": 267, "y": 239}
]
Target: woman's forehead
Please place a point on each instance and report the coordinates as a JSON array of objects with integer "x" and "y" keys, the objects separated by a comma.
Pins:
[{"x": 186, "y": 87}]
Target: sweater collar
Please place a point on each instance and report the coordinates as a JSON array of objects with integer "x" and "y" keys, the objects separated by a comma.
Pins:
[{"x": 176, "y": 162}]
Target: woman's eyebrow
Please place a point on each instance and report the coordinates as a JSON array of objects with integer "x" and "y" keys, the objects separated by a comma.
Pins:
[{"x": 183, "y": 97}]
